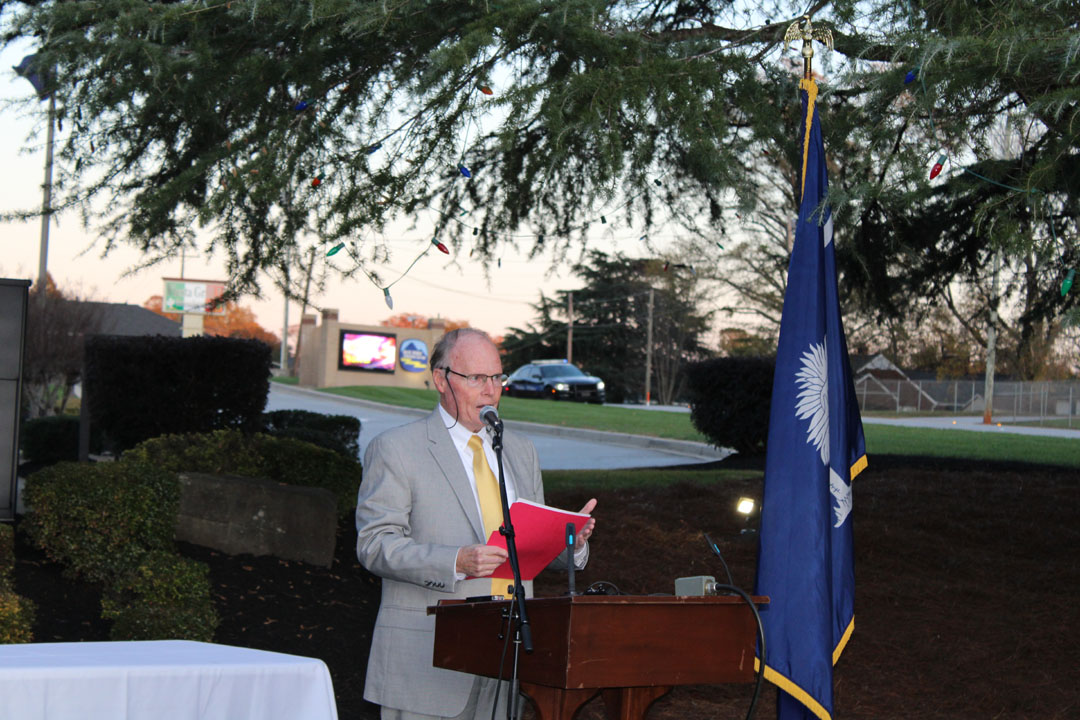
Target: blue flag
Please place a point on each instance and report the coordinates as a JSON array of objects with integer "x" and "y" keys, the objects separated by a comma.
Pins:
[
  {"x": 29, "y": 69},
  {"x": 816, "y": 448}
]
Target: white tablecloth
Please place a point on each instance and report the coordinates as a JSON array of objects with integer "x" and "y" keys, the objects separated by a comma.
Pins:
[{"x": 160, "y": 680}]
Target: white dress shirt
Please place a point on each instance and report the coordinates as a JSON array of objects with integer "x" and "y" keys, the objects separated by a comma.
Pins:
[{"x": 460, "y": 435}]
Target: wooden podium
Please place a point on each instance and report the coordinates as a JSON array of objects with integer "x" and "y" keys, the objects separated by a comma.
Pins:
[{"x": 630, "y": 648}]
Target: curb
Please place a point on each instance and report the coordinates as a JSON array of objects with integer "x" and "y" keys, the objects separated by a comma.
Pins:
[{"x": 691, "y": 449}]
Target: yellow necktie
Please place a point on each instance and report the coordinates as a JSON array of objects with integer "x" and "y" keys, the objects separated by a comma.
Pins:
[{"x": 487, "y": 489}]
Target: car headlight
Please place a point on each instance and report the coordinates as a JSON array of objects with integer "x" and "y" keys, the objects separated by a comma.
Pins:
[
  {"x": 562, "y": 387},
  {"x": 600, "y": 385}
]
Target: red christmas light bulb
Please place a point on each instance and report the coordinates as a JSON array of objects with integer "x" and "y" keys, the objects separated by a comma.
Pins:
[
  {"x": 442, "y": 248},
  {"x": 316, "y": 182},
  {"x": 936, "y": 170}
]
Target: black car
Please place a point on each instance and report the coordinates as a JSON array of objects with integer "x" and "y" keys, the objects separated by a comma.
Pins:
[{"x": 556, "y": 379}]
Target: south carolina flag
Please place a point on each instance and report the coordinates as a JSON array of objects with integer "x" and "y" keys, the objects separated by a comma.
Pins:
[{"x": 815, "y": 450}]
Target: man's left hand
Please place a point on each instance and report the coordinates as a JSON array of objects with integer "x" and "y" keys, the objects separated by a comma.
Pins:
[{"x": 590, "y": 524}]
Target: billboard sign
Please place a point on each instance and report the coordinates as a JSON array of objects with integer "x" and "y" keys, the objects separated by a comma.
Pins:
[{"x": 192, "y": 296}]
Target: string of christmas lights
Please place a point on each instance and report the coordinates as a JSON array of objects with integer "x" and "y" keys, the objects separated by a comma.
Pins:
[
  {"x": 935, "y": 170},
  {"x": 465, "y": 172}
]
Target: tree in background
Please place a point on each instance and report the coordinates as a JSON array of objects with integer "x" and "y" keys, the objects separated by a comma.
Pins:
[
  {"x": 259, "y": 120},
  {"x": 236, "y": 322},
  {"x": 421, "y": 322},
  {"x": 610, "y": 326},
  {"x": 57, "y": 323},
  {"x": 933, "y": 86},
  {"x": 737, "y": 342}
]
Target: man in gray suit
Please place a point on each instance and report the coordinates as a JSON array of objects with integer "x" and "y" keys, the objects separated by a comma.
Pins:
[{"x": 420, "y": 528}]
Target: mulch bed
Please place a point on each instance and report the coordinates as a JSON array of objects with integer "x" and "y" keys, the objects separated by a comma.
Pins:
[{"x": 967, "y": 580}]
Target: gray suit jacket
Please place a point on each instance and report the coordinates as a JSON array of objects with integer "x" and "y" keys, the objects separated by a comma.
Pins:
[{"x": 414, "y": 510}]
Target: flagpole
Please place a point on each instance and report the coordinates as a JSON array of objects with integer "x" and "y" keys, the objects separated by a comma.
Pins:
[{"x": 46, "y": 203}]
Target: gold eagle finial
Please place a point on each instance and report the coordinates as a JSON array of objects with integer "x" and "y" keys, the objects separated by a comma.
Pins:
[{"x": 803, "y": 29}]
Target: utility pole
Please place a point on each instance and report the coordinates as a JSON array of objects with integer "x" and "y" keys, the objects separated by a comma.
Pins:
[
  {"x": 991, "y": 345},
  {"x": 570, "y": 327},
  {"x": 46, "y": 203},
  {"x": 648, "y": 352}
]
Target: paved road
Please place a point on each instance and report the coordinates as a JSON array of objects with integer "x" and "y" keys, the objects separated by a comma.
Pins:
[
  {"x": 975, "y": 423},
  {"x": 558, "y": 448},
  {"x": 576, "y": 449}
]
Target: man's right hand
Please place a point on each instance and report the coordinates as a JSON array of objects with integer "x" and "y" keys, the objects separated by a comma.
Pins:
[{"x": 480, "y": 560}]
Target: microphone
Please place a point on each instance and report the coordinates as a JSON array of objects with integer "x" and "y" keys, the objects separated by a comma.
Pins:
[
  {"x": 490, "y": 416},
  {"x": 570, "y": 529}
]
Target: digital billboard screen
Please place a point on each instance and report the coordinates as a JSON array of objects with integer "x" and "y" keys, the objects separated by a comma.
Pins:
[{"x": 367, "y": 351}]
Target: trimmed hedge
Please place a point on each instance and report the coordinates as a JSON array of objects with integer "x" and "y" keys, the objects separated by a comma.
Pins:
[
  {"x": 16, "y": 612},
  {"x": 7, "y": 554},
  {"x": 230, "y": 452},
  {"x": 16, "y": 618},
  {"x": 340, "y": 433},
  {"x": 99, "y": 519},
  {"x": 113, "y": 524},
  {"x": 164, "y": 596},
  {"x": 159, "y": 385},
  {"x": 54, "y": 439},
  {"x": 729, "y": 401}
]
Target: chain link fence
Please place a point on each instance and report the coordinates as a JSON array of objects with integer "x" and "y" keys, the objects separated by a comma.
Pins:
[{"x": 1056, "y": 403}]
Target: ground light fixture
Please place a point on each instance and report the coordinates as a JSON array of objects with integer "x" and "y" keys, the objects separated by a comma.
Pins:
[{"x": 747, "y": 507}]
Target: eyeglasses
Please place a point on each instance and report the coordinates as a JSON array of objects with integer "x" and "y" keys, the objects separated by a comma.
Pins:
[{"x": 477, "y": 379}]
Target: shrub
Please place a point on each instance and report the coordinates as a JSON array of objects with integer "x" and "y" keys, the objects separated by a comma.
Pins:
[
  {"x": 230, "y": 452},
  {"x": 54, "y": 439},
  {"x": 99, "y": 519},
  {"x": 340, "y": 433},
  {"x": 7, "y": 554},
  {"x": 143, "y": 387},
  {"x": 16, "y": 618},
  {"x": 729, "y": 401},
  {"x": 162, "y": 597},
  {"x": 16, "y": 613}
]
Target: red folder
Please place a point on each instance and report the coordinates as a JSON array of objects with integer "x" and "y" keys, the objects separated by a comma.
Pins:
[{"x": 540, "y": 532}]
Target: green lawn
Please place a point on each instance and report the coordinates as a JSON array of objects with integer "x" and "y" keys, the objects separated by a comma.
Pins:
[
  {"x": 601, "y": 480},
  {"x": 882, "y": 439},
  {"x": 893, "y": 440},
  {"x": 548, "y": 412},
  {"x": 1065, "y": 423},
  {"x": 402, "y": 397}
]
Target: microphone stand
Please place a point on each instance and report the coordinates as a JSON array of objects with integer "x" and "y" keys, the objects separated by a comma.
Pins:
[{"x": 522, "y": 629}]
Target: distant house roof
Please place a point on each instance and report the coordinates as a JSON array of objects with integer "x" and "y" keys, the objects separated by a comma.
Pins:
[
  {"x": 877, "y": 365},
  {"x": 124, "y": 319}
]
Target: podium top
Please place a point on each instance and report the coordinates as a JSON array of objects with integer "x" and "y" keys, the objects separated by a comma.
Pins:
[{"x": 586, "y": 600}]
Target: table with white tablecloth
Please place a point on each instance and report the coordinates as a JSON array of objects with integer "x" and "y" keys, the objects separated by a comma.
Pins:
[{"x": 160, "y": 680}]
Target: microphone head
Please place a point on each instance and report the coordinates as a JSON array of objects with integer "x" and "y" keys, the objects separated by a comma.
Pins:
[{"x": 490, "y": 417}]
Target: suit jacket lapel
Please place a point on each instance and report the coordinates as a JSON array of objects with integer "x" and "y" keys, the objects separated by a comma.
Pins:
[{"x": 449, "y": 461}]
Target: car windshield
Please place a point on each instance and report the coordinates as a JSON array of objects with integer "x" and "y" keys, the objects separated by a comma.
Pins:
[{"x": 557, "y": 371}]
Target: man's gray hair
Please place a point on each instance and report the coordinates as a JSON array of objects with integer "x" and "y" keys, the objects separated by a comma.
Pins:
[{"x": 441, "y": 352}]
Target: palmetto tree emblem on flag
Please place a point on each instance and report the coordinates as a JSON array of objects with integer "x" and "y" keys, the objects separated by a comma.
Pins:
[{"x": 812, "y": 405}]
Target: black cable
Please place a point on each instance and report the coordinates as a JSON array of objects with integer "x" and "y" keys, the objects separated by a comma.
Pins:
[
  {"x": 716, "y": 550},
  {"x": 502, "y": 660},
  {"x": 600, "y": 587},
  {"x": 761, "y": 643}
]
